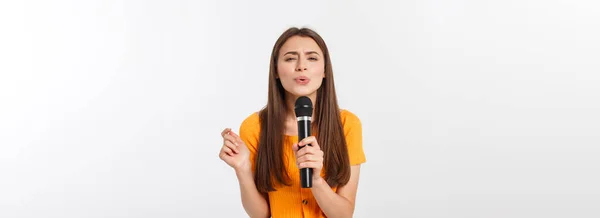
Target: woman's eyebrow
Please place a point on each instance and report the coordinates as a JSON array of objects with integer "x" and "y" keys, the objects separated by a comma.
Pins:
[{"x": 296, "y": 53}]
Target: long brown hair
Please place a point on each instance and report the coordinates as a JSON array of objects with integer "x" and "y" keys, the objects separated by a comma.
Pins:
[{"x": 270, "y": 166}]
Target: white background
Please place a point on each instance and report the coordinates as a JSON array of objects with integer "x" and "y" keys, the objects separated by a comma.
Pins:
[{"x": 470, "y": 108}]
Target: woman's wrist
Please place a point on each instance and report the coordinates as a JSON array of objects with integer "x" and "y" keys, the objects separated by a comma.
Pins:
[
  {"x": 318, "y": 180},
  {"x": 243, "y": 170},
  {"x": 243, "y": 167}
]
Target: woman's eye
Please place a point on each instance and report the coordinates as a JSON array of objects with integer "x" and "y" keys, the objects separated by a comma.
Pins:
[
  {"x": 312, "y": 59},
  {"x": 289, "y": 59}
]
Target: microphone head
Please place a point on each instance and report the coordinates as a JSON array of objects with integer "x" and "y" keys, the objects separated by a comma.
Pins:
[{"x": 303, "y": 107}]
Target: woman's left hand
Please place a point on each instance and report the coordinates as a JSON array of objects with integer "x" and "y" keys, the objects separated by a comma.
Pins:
[{"x": 309, "y": 156}]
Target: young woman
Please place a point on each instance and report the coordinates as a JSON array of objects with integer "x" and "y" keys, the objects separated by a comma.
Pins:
[{"x": 265, "y": 154}]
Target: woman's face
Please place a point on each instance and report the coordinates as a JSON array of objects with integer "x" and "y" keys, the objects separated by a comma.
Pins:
[{"x": 301, "y": 66}]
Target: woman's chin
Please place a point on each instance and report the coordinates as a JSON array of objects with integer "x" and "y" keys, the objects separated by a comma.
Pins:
[{"x": 302, "y": 92}]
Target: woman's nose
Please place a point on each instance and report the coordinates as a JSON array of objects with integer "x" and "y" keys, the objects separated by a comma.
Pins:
[{"x": 300, "y": 66}]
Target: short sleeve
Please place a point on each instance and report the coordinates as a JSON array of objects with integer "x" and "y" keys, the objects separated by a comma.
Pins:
[
  {"x": 250, "y": 133},
  {"x": 353, "y": 133}
]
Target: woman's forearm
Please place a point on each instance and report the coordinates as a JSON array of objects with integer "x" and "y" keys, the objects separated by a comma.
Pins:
[
  {"x": 332, "y": 204},
  {"x": 255, "y": 204}
]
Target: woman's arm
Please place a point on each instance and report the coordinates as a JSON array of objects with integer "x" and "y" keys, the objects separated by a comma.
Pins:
[
  {"x": 236, "y": 154},
  {"x": 340, "y": 204},
  {"x": 254, "y": 202}
]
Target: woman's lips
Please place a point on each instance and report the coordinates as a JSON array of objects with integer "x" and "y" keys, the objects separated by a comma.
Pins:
[{"x": 302, "y": 80}]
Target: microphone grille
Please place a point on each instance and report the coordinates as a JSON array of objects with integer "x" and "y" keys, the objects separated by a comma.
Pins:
[{"x": 303, "y": 107}]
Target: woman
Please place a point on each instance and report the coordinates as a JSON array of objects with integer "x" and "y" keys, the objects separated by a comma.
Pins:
[{"x": 265, "y": 155}]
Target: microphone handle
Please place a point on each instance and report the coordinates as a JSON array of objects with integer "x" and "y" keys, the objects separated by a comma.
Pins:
[{"x": 304, "y": 127}]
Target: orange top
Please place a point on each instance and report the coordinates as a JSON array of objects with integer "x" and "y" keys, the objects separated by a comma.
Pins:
[{"x": 294, "y": 201}]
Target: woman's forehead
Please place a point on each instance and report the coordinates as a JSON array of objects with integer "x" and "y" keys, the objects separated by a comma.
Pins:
[{"x": 300, "y": 44}]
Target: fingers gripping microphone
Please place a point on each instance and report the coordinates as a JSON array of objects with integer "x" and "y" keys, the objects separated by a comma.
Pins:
[{"x": 303, "y": 109}]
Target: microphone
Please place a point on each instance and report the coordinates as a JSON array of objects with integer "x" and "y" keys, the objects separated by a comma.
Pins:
[{"x": 304, "y": 109}]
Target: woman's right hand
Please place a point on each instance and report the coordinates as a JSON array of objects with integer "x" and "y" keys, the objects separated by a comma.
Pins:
[{"x": 234, "y": 151}]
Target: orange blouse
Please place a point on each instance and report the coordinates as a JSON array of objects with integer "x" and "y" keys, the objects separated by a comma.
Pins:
[{"x": 294, "y": 201}]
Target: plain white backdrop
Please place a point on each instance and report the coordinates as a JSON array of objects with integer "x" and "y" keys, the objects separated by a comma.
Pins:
[{"x": 469, "y": 108}]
